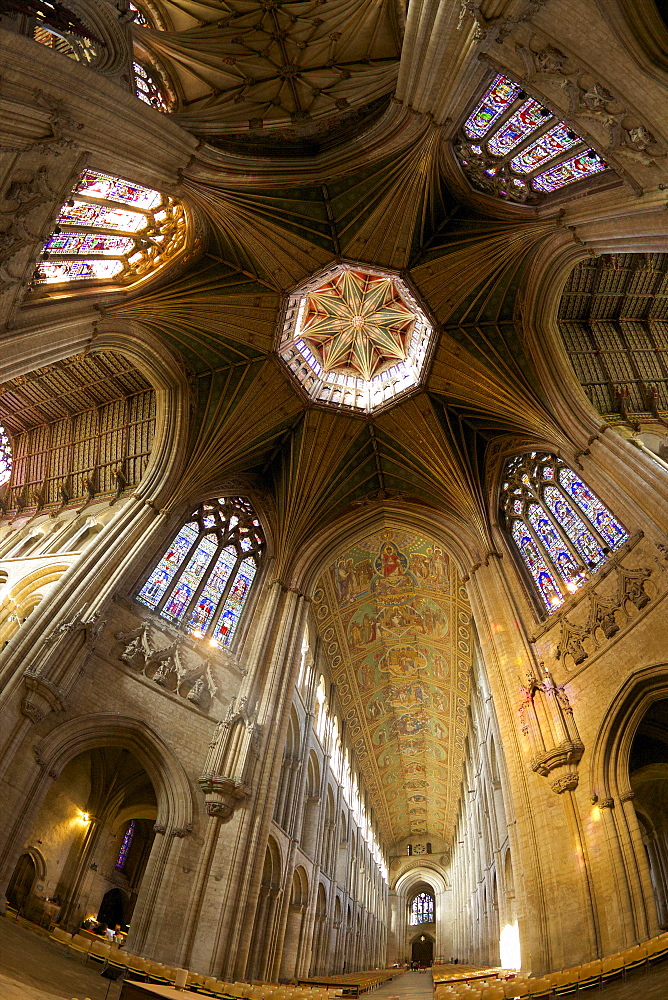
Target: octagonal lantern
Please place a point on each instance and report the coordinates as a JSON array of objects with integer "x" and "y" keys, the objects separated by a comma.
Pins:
[{"x": 355, "y": 337}]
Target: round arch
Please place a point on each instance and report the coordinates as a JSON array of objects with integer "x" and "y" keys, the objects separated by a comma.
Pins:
[{"x": 425, "y": 876}]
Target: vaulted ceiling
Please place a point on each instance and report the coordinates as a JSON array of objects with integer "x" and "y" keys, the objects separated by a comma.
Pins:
[
  {"x": 325, "y": 137},
  {"x": 396, "y": 626}
]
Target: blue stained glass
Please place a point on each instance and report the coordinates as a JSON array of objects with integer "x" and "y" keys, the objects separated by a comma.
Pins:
[
  {"x": 608, "y": 526},
  {"x": 178, "y": 601},
  {"x": 537, "y": 566},
  {"x": 228, "y": 621},
  {"x": 498, "y": 98},
  {"x": 520, "y": 125},
  {"x": 191, "y": 577},
  {"x": 574, "y": 526},
  {"x": 422, "y": 909},
  {"x": 575, "y": 169},
  {"x": 558, "y": 552},
  {"x": 557, "y": 140},
  {"x": 157, "y": 583},
  {"x": 125, "y": 846},
  {"x": 210, "y": 597}
]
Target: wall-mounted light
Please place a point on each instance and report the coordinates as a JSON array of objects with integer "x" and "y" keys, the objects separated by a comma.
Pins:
[{"x": 84, "y": 817}]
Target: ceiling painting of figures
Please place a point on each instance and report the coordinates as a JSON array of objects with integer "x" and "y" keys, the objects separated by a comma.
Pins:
[{"x": 395, "y": 623}]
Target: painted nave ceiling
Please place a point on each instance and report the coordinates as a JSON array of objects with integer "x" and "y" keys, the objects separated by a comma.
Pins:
[{"x": 310, "y": 166}]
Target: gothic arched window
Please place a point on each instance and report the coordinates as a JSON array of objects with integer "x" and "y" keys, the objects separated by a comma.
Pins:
[
  {"x": 149, "y": 86},
  {"x": 515, "y": 148},
  {"x": 203, "y": 580},
  {"x": 561, "y": 529},
  {"x": 5, "y": 457},
  {"x": 111, "y": 230},
  {"x": 422, "y": 909}
]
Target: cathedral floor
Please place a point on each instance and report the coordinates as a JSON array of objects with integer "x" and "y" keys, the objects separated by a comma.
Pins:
[{"x": 33, "y": 968}]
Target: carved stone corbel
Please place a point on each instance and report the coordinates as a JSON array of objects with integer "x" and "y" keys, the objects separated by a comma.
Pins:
[
  {"x": 42, "y": 697},
  {"x": 222, "y": 795},
  {"x": 546, "y": 720}
]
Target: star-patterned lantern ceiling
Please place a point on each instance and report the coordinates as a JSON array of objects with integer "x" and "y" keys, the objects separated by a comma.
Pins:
[{"x": 355, "y": 338}]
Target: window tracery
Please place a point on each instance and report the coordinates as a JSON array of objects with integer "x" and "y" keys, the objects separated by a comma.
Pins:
[
  {"x": 515, "y": 148},
  {"x": 203, "y": 580},
  {"x": 111, "y": 229},
  {"x": 149, "y": 88},
  {"x": 422, "y": 909},
  {"x": 561, "y": 529}
]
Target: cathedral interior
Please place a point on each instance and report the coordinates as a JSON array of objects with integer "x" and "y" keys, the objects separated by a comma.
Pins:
[{"x": 334, "y": 482}]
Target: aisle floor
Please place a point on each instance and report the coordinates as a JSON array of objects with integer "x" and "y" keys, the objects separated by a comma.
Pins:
[{"x": 33, "y": 968}]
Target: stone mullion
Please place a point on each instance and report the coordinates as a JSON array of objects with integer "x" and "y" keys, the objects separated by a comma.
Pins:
[
  {"x": 179, "y": 573},
  {"x": 561, "y": 531}
]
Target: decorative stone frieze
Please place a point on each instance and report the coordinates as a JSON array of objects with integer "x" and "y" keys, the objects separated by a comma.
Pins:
[
  {"x": 604, "y": 609},
  {"x": 591, "y": 104},
  {"x": 169, "y": 666}
]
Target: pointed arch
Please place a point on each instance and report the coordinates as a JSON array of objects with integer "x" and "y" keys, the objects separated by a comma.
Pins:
[{"x": 560, "y": 529}]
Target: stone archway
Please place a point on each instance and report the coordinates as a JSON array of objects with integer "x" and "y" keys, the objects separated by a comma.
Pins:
[
  {"x": 613, "y": 795},
  {"x": 173, "y": 796},
  {"x": 22, "y": 881},
  {"x": 422, "y": 950}
]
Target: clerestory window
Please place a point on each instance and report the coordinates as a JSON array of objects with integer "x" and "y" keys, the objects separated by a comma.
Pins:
[
  {"x": 422, "y": 909},
  {"x": 203, "y": 579},
  {"x": 513, "y": 147},
  {"x": 561, "y": 529}
]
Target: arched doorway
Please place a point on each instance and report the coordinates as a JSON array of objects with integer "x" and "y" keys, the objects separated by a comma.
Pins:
[
  {"x": 422, "y": 950},
  {"x": 648, "y": 774},
  {"x": 21, "y": 882},
  {"x": 112, "y": 909},
  {"x": 90, "y": 866}
]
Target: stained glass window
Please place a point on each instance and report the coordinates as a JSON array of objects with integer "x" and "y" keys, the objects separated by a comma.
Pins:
[
  {"x": 111, "y": 230},
  {"x": 515, "y": 148},
  {"x": 149, "y": 88},
  {"x": 125, "y": 845},
  {"x": 498, "y": 98},
  {"x": 608, "y": 526},
  {"x": 140, "y": 18},
  {"x": 203, "y": 579},
  {"x": 557, "y": 140},
  {"x": 5, "y": 457},
  {"x": 422, "y": 909},
  {"x": 561, "y": 529},
  {"x": 523, "y": 123},
  {"x": 583, "y": 165}
]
